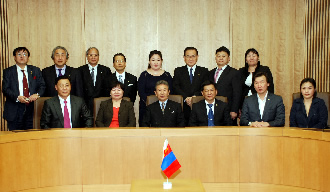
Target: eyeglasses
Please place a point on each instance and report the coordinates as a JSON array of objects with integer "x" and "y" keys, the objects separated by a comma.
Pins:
[
  {"x": 190, "y": 56},
  {"x": 119, "y": 61},
  {"x": 22, "y": 54}
]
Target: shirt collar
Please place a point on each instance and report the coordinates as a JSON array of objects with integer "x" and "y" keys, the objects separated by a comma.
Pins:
[
  {"x": 90, "y": 67},
  {"x": 264, "y": 98},
  {"x": 61, "y": 68},
  {"x": 62, "y": 100},
  {"x": 162, "y": 102},
  {"x": 20, "y": 69},
  {"x": 193, "y": 67},
  {"x": 122, "y": 75},
  {"x": 209, "y": 103},
  {"x": 223, "y": 68}
]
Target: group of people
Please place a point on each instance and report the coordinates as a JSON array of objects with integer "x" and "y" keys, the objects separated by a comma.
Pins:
[{"x": 249, "y": 92}]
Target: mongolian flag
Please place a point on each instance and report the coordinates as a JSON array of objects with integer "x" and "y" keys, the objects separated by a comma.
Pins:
[{"x": 170, "y": 164}]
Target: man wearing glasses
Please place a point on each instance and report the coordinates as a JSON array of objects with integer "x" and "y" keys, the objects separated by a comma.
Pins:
[
  {"x": 22, "y": 84},
  {"x": 129, "y": 80},
  {"x": 95, "y": 78}
]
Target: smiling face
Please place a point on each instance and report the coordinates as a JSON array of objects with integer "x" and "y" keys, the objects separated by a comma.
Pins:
[
  {"x": 190, "y": 57},
  {"x": 252, "y": 59},
  {"x": 116, "y": 93},
  {"x": 60, "y": 58},
  {"x": 93, "y": 57},
  {"x": 222, "y": 58},
  {"x": 307, "y": 90},
  {"x": 63, "y": 88},
  {"x": 261, "y": 85},
  {"x": 162, "y": 92},
  {"x": 155, "y": 62},
  {"x": 21, "y": 57},
  {"x": 209, "y": 92}
]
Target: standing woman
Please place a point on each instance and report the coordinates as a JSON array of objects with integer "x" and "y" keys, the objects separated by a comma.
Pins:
[
  {"x": 308, "y": 111},
  {"x": 148, "y": 79},
  {"x": 252, "y": 66}
]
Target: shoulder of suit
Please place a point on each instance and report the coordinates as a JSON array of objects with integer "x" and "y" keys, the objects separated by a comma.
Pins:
[
  {"x": 130, "y": 75},
  {"x": 201, "y": 68},
  {"x": 173, "y": 102},
  {"x": 49, "y": 68},
  {"x": 33, "y": 67},
  {"x": 76, "y": 98}
]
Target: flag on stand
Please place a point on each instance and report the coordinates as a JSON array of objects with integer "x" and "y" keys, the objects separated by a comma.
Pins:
[{"x": 170, "y": 164}]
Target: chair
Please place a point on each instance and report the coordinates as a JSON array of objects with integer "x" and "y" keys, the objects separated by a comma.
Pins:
[
  {"x": 177, "y": 98},
  {"x": 38, "y": 105},
  {"x": 97, "y": 103},
  {"x": 199, "y": 98},
  {"x": 322, "y": 95}
]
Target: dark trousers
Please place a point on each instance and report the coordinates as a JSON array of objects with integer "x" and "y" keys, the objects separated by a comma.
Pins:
[{"x": 24, "y": 118}]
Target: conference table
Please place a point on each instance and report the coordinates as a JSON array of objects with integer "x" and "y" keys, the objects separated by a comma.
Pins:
[{"x": 230, "y": 159}]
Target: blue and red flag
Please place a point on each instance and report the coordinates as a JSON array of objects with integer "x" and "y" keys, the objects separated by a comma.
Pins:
[{"x": 170, "y": 164}]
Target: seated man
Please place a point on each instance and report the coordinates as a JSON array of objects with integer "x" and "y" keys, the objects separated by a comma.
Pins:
[
  {"x": 65, "y": 110},
  {"x": 263, "y": 109},
  {"x": 210, "y": 111},
  {"x": 163, "y": 113}
]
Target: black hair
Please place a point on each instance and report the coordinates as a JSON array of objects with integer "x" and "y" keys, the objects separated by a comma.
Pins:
[
  {"x": 116, "y": 83},
  {"x": 154, "y": 52},
  {"x": 309, "y": 80},
  {"x": 206, "y": 83},
  {"x": 189, "y": 48},
  {"x": 18, "y": 49},
  {"x": 62, "y": 77},
  {"x": 118, "y": 54},
  {"x": 223, "y": 48},
  {"x": 259, "y": 74}
]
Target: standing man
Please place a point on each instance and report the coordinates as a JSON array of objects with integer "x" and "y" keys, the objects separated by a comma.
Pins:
[
  {"x": 96, "y": 77},
  {"x": 65, "y": 110},
  {"x": 129, "y": 80},
  {"x": 263, "y": 109},
  {"x": 22, "y": 84},
  {"x": 210, "y": 111},
  {"x": 188, "y": 79},
  {"x": 60, "y": 56},
  {"x": 228, "y": 81}
]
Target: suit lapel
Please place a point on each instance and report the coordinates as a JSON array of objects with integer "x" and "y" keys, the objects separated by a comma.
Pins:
[
  {"x": 58, "y": 110},
  {"x": 31, "y": 80},
  {"x": 15, "y": 75},
  {"x": 267, "y": 104},
  {"x": 196, "y": 75},
  {"x": 224, "y": 74},
  {"x": 74, "y": 110},
  {"x": 98, "y": 76},
  {"x": 256, "y": 103}
]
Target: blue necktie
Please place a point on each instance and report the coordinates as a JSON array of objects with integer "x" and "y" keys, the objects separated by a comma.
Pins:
[
  {"x": 191, "y": 75},
  {"x": 59, "y": 72},
  {"x": 210, "y": 116}
]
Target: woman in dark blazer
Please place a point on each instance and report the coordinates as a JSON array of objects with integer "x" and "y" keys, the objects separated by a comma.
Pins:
[
  {"x": 308, "y": 111},
  {"x": 252, "y": 66},
  {"x": 116, "y": 112}
]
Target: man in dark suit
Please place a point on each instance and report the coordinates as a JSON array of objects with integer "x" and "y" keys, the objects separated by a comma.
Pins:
[
  {"x": 129, "y": 80},
  {"x": 210, "y": 111},
  {"x": 263, "y": 109},
  {"x": 65, "y": 110},
  {"x": 96, "y": 78},
  {"x": 22, "y": 84},
  {"x": 188, "y": 79},
  {"x": 164, "y": 112},
  {"x": 228, "y": 81},
  {"x": 60, "y": 56}
]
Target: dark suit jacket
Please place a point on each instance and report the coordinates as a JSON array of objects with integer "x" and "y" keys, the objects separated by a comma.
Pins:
[
  {"x": 198, "y": 116},
  {"x": 130, "y": 85},
  {"x": 49, "y": 75},
  {"x": 274, "y": 111},
  {"x": 229, "y": 85},
  {"x": 101, "y": 88},
  {"x": 317, "y": 118},
  {"x": 52, "y": 116},
  {"x": 173, "y": 116},
  {"x": 126, "y": 116},
  {"x": 11, "y": 91}
]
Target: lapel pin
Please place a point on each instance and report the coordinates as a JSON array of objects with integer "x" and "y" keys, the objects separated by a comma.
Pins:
[
  {"x": 198, "y": 74},
  {"x": 216, "y": 105},
  {"x": 127, "y": 81},
  {"x": 268, "y": 99}
]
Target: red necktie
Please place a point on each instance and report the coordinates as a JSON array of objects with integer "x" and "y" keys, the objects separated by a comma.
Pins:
[
  {"x": 216, "y": 75},
  {"x": 25, "y": 86},
  {"x": 66, "y": 116}
]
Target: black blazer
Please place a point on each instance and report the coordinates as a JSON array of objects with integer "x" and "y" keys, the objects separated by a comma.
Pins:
[
  {"x": 198, "y": 116},
  {"x": 49, "y": 75},
  {"x": 173, "y": 116},
  {"x": 317, "y": 118},
  {"x": 130, "y": 86},
  {"x": 126, "y": 116},
  {"x": 52, "y": 116},
  {"x": 11, "y": 91},
  {"x": 245, "y": 73},
  {"x": 101, "y": 88},
  {"x": 274, "y": 111},
  {"x": 229, "y": 85},
  {"x": 181, "y": 81}
]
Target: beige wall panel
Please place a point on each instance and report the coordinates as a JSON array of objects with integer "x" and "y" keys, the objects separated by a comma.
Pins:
[
  {"x": 194, "y": 23},
  {"x": 61, "y": 161},
  {"x": 293, "y": 161}
]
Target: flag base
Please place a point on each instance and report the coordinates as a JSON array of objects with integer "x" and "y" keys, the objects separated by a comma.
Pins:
[{"x": 167, "y": 185}]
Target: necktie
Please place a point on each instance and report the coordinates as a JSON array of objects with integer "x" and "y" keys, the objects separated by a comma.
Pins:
[
  {"x": 92, "y": 75},
  {"x": 120, "y": 79},
  {"x": 210, "y": 116},
  {"x": 25, "y": 87},
  {"x": 59, "y": 72},
  {"x": 163, "y": 107},
  {"x": 191, "y": 75},
  {"x": 66, "y": 116},
  {"x": 216, "y": 75}
]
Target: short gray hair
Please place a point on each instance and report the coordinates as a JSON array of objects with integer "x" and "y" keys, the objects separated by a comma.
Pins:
[
  {"x": 60, "y": 47},
  {"x": 162, "y": 82},
  {"x": 92, "y": 48}
]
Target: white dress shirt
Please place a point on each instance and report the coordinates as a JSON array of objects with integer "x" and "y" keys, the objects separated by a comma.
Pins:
[
  {"x": 208, "y": 108},
  {"x": 20, "y": 79},
  {"x": 193, "y": 69},
  {"x": 95, "y": 71},
  {"x": 122, "y": 76},
  {"x": 62, "y": 71},
  {"x": 68, "y": 104},
  {"x": 222, "y": 69},
  {"x": 262, "y": 104},
  {"x": 248, "y": 82}
]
